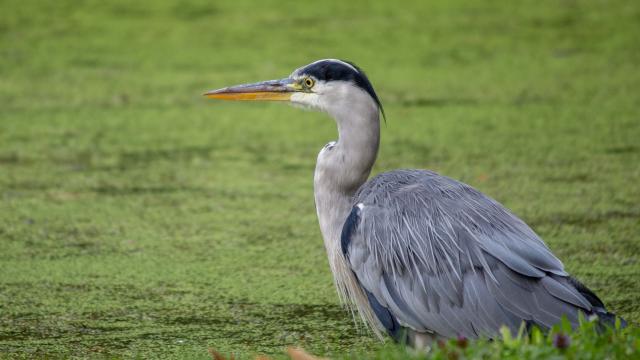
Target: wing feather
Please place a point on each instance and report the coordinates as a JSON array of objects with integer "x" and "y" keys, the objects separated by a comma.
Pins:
[{"x": 442, "y": 257}]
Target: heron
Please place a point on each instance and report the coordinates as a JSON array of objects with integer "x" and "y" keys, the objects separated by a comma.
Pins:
[{"x": 418, "y": 255}]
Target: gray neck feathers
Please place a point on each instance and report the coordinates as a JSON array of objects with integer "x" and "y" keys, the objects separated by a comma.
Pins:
[{"x": 342, "y": 167}]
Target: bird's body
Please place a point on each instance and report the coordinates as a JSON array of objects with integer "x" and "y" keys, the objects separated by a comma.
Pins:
[
  {"x": 419, "y": 255},
  {"x": 471, "y": 268}
]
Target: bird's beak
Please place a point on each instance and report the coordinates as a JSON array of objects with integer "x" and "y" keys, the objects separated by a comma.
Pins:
[{"x": 274, "y": 90}]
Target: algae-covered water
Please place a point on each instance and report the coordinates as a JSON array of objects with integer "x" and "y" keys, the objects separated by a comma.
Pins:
[{"x": 139, "y": 219}]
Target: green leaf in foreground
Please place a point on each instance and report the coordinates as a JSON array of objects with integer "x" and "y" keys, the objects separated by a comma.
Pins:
[{"x": 587, "y": 342}]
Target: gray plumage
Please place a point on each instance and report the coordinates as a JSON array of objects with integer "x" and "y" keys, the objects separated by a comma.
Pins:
[
  {"x": 446, "y": 259},
  {"x": 419, "y": 255}
]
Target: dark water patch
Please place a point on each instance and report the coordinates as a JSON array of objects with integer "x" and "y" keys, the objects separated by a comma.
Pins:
[
  {"x": 101, "y": 329},
  {"x": 567, "y": 19},
  {"x": 11, "y": 159},
  {"x": 19, "y": 334},
  {"x": 568, "y": 178},
  {"x": 188, "y": 10},
  {"x": 111, "y": 190},
  {"x": 293, "y": 311},
  {"x": 33, "y": 329},
  {"x": 156, "y": 335},
  {"x": 29, "y": 185},
  {"x": 296, "y": 166},
  {"x": 587, "y": 220},
  {"x": 125, "y": 294},
  {"x": 627, "y": 149},
  {"x": 196, "y": 321},
  {"x": 435, "y": 102},
  {"x": 104, "y": 345},
  {"x": 82, "y": 245}
]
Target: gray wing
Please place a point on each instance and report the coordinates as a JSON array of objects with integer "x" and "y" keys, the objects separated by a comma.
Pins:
[{"x": 435, "y": 255}]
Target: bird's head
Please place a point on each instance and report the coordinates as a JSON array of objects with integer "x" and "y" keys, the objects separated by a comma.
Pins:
[{"x": 334, "y": 86}]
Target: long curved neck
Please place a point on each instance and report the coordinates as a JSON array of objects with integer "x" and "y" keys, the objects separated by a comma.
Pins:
[{"x": 343, "y": 166}]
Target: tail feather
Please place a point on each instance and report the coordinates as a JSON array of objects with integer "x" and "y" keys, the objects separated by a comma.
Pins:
[{"x": 605, "y": 317}]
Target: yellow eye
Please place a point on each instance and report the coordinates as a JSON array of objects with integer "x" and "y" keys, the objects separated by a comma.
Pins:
[{"x": 308, "y": 83}]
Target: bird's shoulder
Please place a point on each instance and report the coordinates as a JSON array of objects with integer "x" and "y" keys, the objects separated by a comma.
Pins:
[
  {"x": 416, "y": 215},
  {"x": 400, "y": 184}
]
